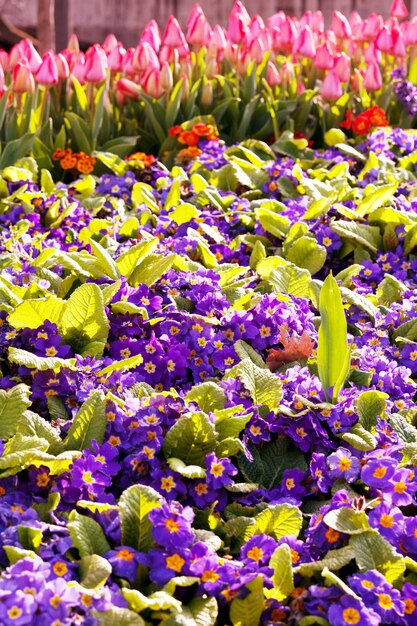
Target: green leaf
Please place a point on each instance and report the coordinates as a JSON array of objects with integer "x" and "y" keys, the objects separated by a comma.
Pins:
[
  {"x": 87, "y": 535},
  {"x": 16, "y": 149},
  {"x": 184, "y": 213},
  {"x": 282, "y": 578},
  {"x": 34, "y": 313},
  {"x": 334, "y": 560},
  {"x": 188, "y": 471},
  {"x": 374, "y": 552},
  {"x": 291, "y": 279},
  {"x": 208, "y": 396},
  {"x": 377, "y": 198},
  {"x": 125, "y": 364},
  {"x": 333, "y": 352},
  {"x": 279, "y": 520},
  {"x": 190, "y": 439},
  {"x": 41, "y": 363},
  {"x": 406, "y": 431},
  {"x": 365, "y": 236},
  {"x": 33, "y": 425},
  {"x": 94, "y": 570},
  {"x": 407, "y": 330},
  {"x": 359, "y": 438},
  {"x": 247, "y": 611},
  {"x": 370, "y": 405},
  {"x": 117, "y": 617},
  {"x": 13, "y": 403},
  {"x": 362, "y": 302},
  {"x": 151, "y": 269},
  {"x": 29, "y": 538},
  {"x": 89, "y": 423},
  {"x": 110, "y": 268},
  {"x": 347, "y": 521},
  {"x": 229, "y": 422},
  {"x": 134, "y": 506},
  {"x": 277, "y": 456},
  {"x": 15, "y": 554},
  {"x": 244, "y": 350},
  {"x": 84, "y": 322},
  {"x": 80, "y": 93},
  {"x": 157, "y": 601},
  {"x": 305, "y": 252},
  {"x": 264, "y": 387}
]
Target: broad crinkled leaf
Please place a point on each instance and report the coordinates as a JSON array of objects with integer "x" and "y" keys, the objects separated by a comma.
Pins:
[
  {"x": 247, "y": 611},
  {"x": 264, "y": 387},
  {"x": 33, "y": 313},
  {"x": 282, "y": 578},
  {"x": 190, "y": 439},
  {"x": 89, "y": 423},
  {"x": 208, "y": 396},
  {"x": 130, "y": 259},
  {"x": 374, "y": 552},
  {"x": 135, "y": 504},
  {"x": 87, "y": 535},
  {"x": 279, "y": 520},
  {"x": 40, "y": 363},
  {"x": 13, "y": 403},
  {"x": 84, "y": 321},
  {"x": 94, "y": 570}
]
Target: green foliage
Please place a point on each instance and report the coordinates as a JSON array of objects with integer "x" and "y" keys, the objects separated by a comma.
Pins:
[
  {"x": 248, "y": 610},
  {"x": 84, "y": 324},
  {"x": 13, "y": 403},
  {"x": 283, "y": 577},
  {"x": 89, "y": 423},
  {"x": 374, "y": 552},
  {"x": 333, "y": 352},
  {"x": 190, "y": 439},
  {"x": 87, "y": 535},
  {"x": 134, "y": 506},
  {"x": 264, "y": 387}
]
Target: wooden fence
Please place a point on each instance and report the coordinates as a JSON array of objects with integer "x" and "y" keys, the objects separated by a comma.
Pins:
[{"x": 94, "y": 19}]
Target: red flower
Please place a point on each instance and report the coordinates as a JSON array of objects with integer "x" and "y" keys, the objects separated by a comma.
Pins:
[{"x": 347, "y": 122}]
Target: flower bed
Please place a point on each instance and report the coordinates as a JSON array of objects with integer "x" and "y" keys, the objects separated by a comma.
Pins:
[{"x": 209, "y": 359}]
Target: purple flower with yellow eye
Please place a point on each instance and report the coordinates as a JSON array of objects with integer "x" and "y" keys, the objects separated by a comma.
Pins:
[
  {"x": 388, "y": 520},
  {"x": 400, "y": 489},
  {"x": 124, "y": 562},
  {"x": 342, "y": 464},
  {"x": 219, "y": 471},
  {"x": 350, "y": 610},
  {"x": 377, "y": 472},
  {"x": 164, "y": 565},
  {"x": 172, "y": 525}
]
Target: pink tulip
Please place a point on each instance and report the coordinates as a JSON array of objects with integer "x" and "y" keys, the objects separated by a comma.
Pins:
[
  {"x": 32, "y": 55},
  {"x": 47, "y": 73},
  {"x": 384, "y": 41},
  {"x": 231, "y": 52},
  {"x": 324, "y": 59},
  {"x": 198, "y": 28},
  {"x": 22, "y": 78},
  {"x": 355, "y": 21},
  {"x": 95, "y": 64},
  {"x": 304, "y": 43},
  {"x": 168, "y": 55},
  {"x": 372, "y": 80},
  {"x": 4, "y": 61},
  {"x": 372, "y": 54},
  {"x": 398, "y": 9},
  {"x": 152, "y": 35},
  {"x": 173, "y": 35},
  {"x": 288, "y": 33},
  {"x": 16, "y": 55},
  {"x": 109, "y": 43},
  {"x": 343, "y": 67},
  {"x": 79, "y": 69},
  {"x": 127, "y": 62},
  {"x": 276, "y": 20},
  {"x": 317, "y": 22},
  {"x": 256, "y": 50},
  {"x": 151, "y": 82},
  {"x": 256, "y": 25},
  {"x": 167, "y": 80},
  {"x": 128, "y": 88},
  {"x": 237, "y": 29},
  {"x": 73, "y": 44},
  {"x": 115, "y": 57},
  {"x": 239, "y": 8},
  {"x": 331, "y": 88},
  {"x": 273, "y": 77},
  {"x": 2, "y": 82},
  {"x": 144, "y": 56},
  {"x": 398, "y": 45},
  {"x": 341, "y": 26},
  {"x": 372, "y": 26},
  {"x": 62, "y": 66}
]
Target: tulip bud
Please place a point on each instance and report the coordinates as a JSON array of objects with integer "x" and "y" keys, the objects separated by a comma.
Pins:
[
  {"x": 32, "y": 55},
  {"x": 62, "y": 66},
  {"x": 79, "y": 69},
  {"x": 115, "y": 58},
  {"x": 273, "y": 77},
  {"x": 2, "y": 82},
  {"x": 73, "y": 44},
  {"x": 324, "y": 59},
  {"x": 151, "y": 82},
  {"x": 398, "y": 45},
  {"x": 237, "y": 28},
  {"x": 398, "y": 9},
  {"x": 372, "y": 80},
  {"x": 217, "y": 43},
  {"x": 372, "y": 26},
  {"x": 256, "y": 50},
  {"x": 343, "y": 68},
  {"x": 4, "y": 61},
  {"x": 185, "y": 91},
  {"x": 127, "y": 62},
  {"x": 331, "y": 88},
  {"x": 198, "y": 28},
  {"x": 167, "y": 80},
  {"x": 304, "y": 43},
  {"x": 356, "y": 23},
  {"x": 276, "y": 20},
  {"x": 231, "y": 52},
  {"x": 372, "y": 55},
  {"x": 22, "y": 78},
  {"x": 144, "y": 57},
  {"x": 341, "y": 26},
  {"x": 128, "y": 88},
  {"x": 207, "y": 94},
  {"x": 95, "y": 64},
  {"x": 151, "y": 35},
  {"x": 212, "y": 68},
  {"x": 383, "y": 41},
  {"x": 47, "y": 73},
  {"x": 173, "y": 35},
  {"x": 317, "y": 22},
  {"x": 109, "y": 43}
]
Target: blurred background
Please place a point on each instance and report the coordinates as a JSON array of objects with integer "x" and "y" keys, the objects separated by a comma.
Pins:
[{"x": 50, "y": 22}]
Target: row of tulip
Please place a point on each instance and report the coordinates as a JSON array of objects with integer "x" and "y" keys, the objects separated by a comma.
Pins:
[{"x": 255, "y": 78}]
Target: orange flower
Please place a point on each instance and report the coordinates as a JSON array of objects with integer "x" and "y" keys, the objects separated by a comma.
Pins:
[
  {"x": 59, "y": 154},
  {"x": 174, "y": 131},
  {"x": 146, "y": 159},
  {"x": 188, "y": 153},
  {"x": 361, "y": 124},
  {"x": 377, "y": 116},
  {"x": 68, "y": 162},
  {"x": 85, "y": 165},
  {"x": 203, "y": 130},
  {"x": 188, "y": 137}
]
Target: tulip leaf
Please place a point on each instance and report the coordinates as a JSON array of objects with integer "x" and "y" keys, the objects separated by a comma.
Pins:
[{"x": 333, "y": 352}]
